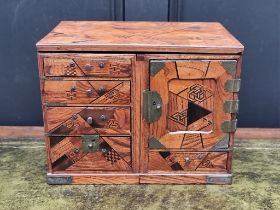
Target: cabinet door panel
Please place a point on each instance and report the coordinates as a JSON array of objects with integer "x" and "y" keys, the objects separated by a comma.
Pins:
[{"x": 193, "y": 96}]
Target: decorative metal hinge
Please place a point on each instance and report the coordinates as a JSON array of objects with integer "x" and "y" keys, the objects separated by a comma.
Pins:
[
  {"x": 230, "y": 66},
  {"x": 155, "y": 67},
  {"x": 152, "y": 106},
  {"x": 90, "y": 143},
  {"x": 219, "y": 179},
  {"x": 59, "y": 179},
  {"x": 231, "y": 106},
  {"x": 229, "y": 126},
  {"x": 232, "y": 85},
  {"x": 154, "y": 143},
  {"x": 222, "y": 144}
]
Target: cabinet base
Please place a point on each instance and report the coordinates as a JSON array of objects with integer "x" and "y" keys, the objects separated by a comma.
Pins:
[{"x": 61, "y": 179}]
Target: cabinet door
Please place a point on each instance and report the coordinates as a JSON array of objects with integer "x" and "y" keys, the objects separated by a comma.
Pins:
[{"x": 189, "y": 104}]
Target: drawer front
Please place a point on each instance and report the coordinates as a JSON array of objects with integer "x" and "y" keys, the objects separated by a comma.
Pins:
[
  {"x": 87, "y": 120},
  {"x": 187, "y": 161},
  {"x": 82, "y": 66},
  {"x": 88, "y": 153},
  {"x": 86, "y": 92}
]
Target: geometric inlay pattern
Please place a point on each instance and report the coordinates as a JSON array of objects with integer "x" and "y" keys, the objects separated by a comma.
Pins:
[
  {"x": 112, "y": 156},
  {"x": 180, "y": 117},
  {"x": 196, "y": 112},
  {"x": 197, "y": 93}
]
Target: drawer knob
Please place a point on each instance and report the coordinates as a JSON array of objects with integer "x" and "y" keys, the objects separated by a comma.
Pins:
[
  {"x": 89, "y": 92},
  {"x": 88, "y": 67},
  {"x": 71, "y": 64},
  {"x": 187, "y": 160},
  {"x": 101, "y": 65},
  {"x": 101, "y": 90},
  {"x": 103, "y": 117},
  {"x": 73, "y": 88},
  {"x": 89, "y": 120}
]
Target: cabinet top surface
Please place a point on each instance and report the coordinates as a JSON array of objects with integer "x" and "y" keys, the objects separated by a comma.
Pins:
[{"x": 110, "y": 36}]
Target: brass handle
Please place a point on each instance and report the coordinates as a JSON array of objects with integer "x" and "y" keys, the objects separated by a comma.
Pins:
[
  {"x": 89, "y": 120},
  {"x": 89, "y": 92},
  {"x": 101, "y": 65},
  {"x": 88, "y": 67}
]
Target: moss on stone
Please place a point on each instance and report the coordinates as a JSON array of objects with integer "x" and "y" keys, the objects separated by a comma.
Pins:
[{"x": 255, "y": 185}]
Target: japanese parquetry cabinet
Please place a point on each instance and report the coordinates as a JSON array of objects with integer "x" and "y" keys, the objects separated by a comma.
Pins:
[{"x": 139, "y": 102}]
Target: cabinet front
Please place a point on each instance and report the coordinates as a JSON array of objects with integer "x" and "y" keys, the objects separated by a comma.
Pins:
[{"x": 189, "y": 107}]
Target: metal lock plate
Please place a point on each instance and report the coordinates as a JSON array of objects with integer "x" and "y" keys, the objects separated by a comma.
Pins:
[
  {"x": 91, "y": 143},
  {"x": 59, "y": 180},
  {"x": 219, "y": 180},
  {"x": 152, "y": 107}
]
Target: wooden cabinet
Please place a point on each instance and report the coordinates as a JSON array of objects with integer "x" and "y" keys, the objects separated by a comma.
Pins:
[{"x": 139, "y": 102}]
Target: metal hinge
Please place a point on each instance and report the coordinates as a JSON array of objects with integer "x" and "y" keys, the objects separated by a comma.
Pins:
[
  {"x": 231, "y": 106},
  {"x": 154, "y": 143},
  {"x": 222, "y": 144},
  {"x": 232, "y": 85},
  {"x": 90, "y": 143},
  {"x": 152, "y": 106},
  {"x": 219, "y": 179},
  {"x": 59, "y": 179},
  {"x": 230, "y": 66},
  {"x": 229, "y": 126},
  {"x": 155, "y": 67}
]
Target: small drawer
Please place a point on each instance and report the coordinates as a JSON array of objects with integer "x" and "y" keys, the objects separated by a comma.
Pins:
[
  {"x": 187, "y": 161},
  {"x": 84, "y": 66},
  {"x": 86, "y": 92},
  {"x": 87, "y": 120},
  {"x": 90, "y": 153}
]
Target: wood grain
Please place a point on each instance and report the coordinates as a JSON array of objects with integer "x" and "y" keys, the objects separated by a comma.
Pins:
[
  {"x": 87, "y": 66},
  {"x": 74, "y": 120},
  {"x": 253, "y": 134},
  {"x": 68, "y": 154},
  {"x": 103, "y": 36},
  {"x": 86, "y": 92},
  {"x": 187, "y": 87},
  {"x": 178, "y": 161}
]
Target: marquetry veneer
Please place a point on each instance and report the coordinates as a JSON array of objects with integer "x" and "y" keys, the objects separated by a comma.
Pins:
[{"x": 139, "y": 102}]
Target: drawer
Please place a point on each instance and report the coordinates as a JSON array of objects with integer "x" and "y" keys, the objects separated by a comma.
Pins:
[
  {"x": 87, "y": 120},
  {"x": 187, "y": 161},
  {"x": 90, "y": 153},
  {"x": 86, "y": 92},
  {"x": 85, "y": 66}
]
